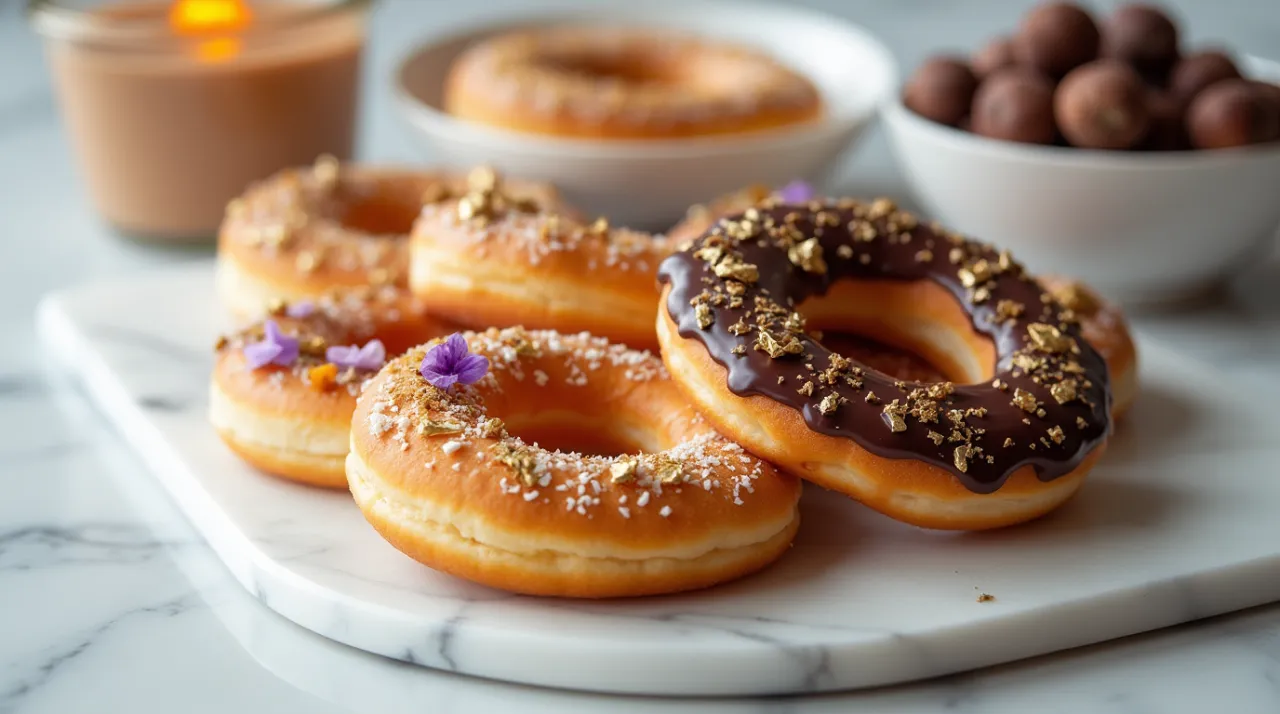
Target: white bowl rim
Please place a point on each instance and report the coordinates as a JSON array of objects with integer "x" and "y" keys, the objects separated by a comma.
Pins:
[
  {"x": 1071, "y": 157},
  {"x": 823, "y": 129}
]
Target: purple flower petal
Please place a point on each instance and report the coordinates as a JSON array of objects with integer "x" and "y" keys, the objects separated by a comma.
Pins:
[
  {"x": 472, "y": 369},
  {"x": 797, "y": 192},
  {"x": 371, "y": 357},
  {"x": 301, "y": 309},
  {"x": 260, "y": 354},
  {"x": 451, "y": 362},
  {"x": 275, "y": 348}
]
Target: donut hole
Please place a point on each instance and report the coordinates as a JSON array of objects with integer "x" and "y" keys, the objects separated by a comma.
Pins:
[
  {"x": 918, "y": 318},
  {"x": 620, "y": 68},
  {"x": 894, "y": 361},
  {"x": 380, "y": 208},
  {"x": 585, "y": 434}
]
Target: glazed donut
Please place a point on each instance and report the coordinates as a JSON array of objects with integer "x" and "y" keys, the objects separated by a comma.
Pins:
[
  {"x": 616, "y": 83},
  {"x": 304, "y": 232},
  {"x": 443, "y": 474},
  {"x": 1012, "y": 439},
  {"x": 1104, "y": 326},
  {"x": 485, "y": 261},
  {"x": 288, "y": 411}
]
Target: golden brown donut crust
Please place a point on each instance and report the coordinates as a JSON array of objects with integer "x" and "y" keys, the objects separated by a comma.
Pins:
[
  {"x": 691, "y": 510},
  {"x": 482, "y": 262},
  {"x": 274, "y": 417},
  {"x": 306, "y": 231},
  {"x": 621, "y": 83}
]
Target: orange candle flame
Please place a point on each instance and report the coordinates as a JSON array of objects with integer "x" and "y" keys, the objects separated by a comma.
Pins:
[{"x": 191, "y": 17}]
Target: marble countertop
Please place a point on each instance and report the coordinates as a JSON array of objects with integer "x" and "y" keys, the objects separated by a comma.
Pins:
[{"x": 108, "y": 601}]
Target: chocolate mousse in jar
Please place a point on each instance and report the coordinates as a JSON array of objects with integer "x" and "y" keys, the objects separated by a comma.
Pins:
[{"x": 175, "y": 106}]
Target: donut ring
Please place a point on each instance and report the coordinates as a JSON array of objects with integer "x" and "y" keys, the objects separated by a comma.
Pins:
[
  {"x": 445, "y": 481},
  {"x": 294, "y": 420},
  {"x": 485, "y": 261},
  {"x": 304, "y": 232},
  {"x": 999, "y": 449},
  {"x": 616, "y": 83},
  {"x": 1104, "y": 326}
]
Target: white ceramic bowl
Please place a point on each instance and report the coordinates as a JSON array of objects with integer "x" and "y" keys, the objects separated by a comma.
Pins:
[
  {"x": 1144, "y": 228},
  {"x": 651, "y": 183}
]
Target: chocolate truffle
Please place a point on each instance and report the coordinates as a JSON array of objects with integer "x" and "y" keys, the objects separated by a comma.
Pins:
[
  {"x": 996, "y": 55},
  {"x": 1233, "y": 112},
  {"x": 1102, "y": 105},
  {"x": 1168, "y": 126},
  {"x": 1143, "y": 36},
  {"x": 1015, "y": 104},
  {"x": 1056, "y": 38},
  {"x": 941, "y": 90},
  {"x": 1195, "y": 72}
]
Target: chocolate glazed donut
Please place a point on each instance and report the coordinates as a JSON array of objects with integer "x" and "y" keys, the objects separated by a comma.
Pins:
[{"x": 739, "y": 292}]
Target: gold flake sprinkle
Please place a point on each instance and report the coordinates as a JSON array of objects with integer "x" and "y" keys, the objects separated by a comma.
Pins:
[
  {"x": 806, "y": 389},
  {"x": 1081, "y": 423},
  {"x": 1024, "y": 400},
  {"x": 924, "y": 256},
  {"x": 961, "y": 457},
  {"x": 871, "y": 398},
  {"x": 981, "y": 295},
  {"x": 735, "y": 269},
  {"x": 1064, "y": 391},
  {"x": 276, "y": 306},
  {"x": 623, "y": 470},
  {"x": 493, "y": 428},
  {"x": 940, "y": 390},
  {"x": 1008, "y": 310},
  {"x": 739, "y": 350},
  {"x": 807, "y": 254},
  {"x": 667, "y": 470},
  {"x": 1048, "y": 338},
  {"x": 956, "y": 256},
  {"x": 829, "y": 404},
  {"x": 881, "y": 208},
  {"x": 770, "y": 345},
  {"x": 1008, "y": 442},
  {"x": 709, "y": 253},
  {"x": 702, "y": 312},
  {"x": 1076, "y": 297},
  {"x": 894, "y": 415},
  {"x": 518, "y": 460},
  {"x": 430, "y": 427},
  {"x": 936, "y": 438},
  {"x": 844, "y": 251},
  {"x": 1056, "y": 435}
]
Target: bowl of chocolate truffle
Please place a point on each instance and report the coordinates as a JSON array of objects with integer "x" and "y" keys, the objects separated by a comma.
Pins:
[{"x": 1099, "y": 147}]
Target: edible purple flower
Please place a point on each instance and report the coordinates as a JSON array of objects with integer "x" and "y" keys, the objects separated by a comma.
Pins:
[
  {"x": 797, "y": 192},
  {"x": 371, "y": 357},
  {"x": 301, "y": 309},
  {"x": 275, "y": 348},
  {"x": 451, "y": 362}
]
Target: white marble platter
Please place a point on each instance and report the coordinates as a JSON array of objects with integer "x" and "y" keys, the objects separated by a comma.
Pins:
[{"x": 1179, "y": 522}]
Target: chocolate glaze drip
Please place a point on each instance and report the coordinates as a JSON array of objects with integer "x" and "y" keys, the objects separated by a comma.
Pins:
[{"x": 1054, "y": 372}]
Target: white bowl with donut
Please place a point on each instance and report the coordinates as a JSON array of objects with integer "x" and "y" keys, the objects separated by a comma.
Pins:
[
  {"x": 649, "y": 182},
  {"x": 1142, "y": 227}
]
